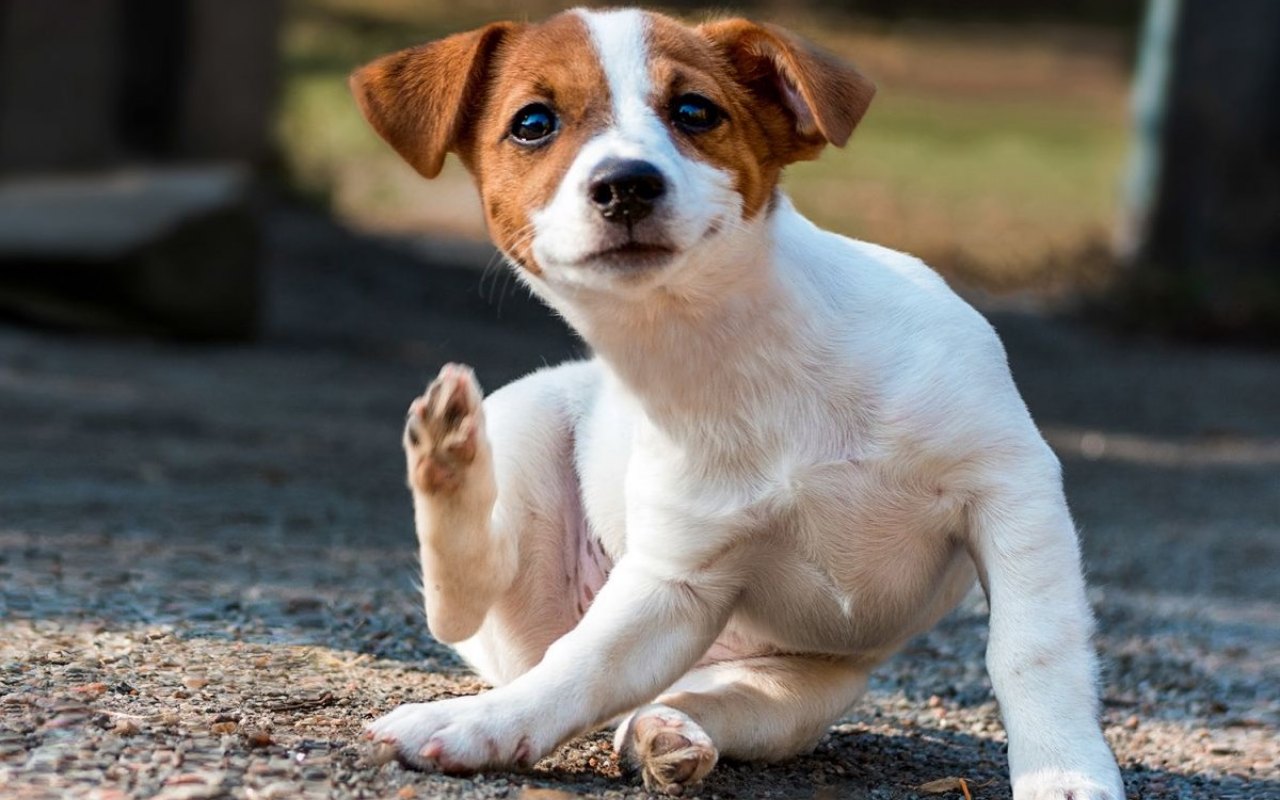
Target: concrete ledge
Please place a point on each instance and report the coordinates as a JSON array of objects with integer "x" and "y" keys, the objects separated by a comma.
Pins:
[{"x": 161, "y": 251}]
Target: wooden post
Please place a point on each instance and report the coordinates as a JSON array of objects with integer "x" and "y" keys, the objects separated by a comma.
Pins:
[{"x": 1205, "y": 256}]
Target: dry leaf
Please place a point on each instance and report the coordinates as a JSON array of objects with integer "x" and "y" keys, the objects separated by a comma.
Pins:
[
  {"x": 944, "y": 785},
  {"x": 90, "y": 689}
]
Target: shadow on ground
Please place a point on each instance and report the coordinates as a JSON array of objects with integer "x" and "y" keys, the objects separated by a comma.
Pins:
[{"x": 204, "y": 546}]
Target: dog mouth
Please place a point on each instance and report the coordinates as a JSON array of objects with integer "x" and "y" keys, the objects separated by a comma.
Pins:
[{"x": 631, "y": 255}]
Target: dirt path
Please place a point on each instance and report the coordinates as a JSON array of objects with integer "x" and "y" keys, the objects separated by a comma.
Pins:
[{"x": 207, "y": 561}]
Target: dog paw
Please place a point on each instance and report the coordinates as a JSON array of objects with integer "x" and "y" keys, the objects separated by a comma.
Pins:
[
  {"x": 1068, "y": 785},
  {"x": 460, "y": 735},
  {"x": 671, "y": 751},
  {"x": 444, "y": 432}
]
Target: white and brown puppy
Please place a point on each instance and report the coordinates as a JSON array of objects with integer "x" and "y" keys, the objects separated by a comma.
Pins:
[{"x": 791, "y": 453}]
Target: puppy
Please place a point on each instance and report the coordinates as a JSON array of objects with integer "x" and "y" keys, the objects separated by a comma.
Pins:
[{"x": 791, "y": 453}]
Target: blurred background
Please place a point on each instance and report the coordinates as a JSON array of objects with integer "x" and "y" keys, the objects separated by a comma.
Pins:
[
  {"x": 219, "y": 291},
  {"x": 1016, "y": 146}
]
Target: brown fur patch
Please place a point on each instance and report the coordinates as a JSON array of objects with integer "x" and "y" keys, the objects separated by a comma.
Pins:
[
  {"x": 784, "y": 99},
  {"x": 681, "y": 61},
  {"x": 459, "y": 95},
  {"x": 553, "y": 63},
  {"x": 822, "y": 97},
  {"x": 418, "y": 99}
]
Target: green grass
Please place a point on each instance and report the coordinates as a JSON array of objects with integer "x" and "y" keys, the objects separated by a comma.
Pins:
[
  {"x": 991, "y": 189},
  {"x": 995, "y": 155}
]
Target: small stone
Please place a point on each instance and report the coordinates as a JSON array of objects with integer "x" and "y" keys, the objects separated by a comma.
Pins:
[
  {"x": 276, "y": 791},
  {"x": 91, "y": 689},
  {"x": 1131, "y": 722},
  {"x": 185, "y": 778},
  {"x": 257, "y": 737}
]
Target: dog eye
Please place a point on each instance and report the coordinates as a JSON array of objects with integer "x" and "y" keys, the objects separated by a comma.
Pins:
[
  {"x": 533, "y": 124},
  {"x": 694, "y": 113}
]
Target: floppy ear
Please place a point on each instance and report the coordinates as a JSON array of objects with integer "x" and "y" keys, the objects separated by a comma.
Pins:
[
  {"x": 822, "y": 95},
  {"x": 421, "y": 99}
]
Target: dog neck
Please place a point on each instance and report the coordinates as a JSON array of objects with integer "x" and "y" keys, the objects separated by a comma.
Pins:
[{"x": 710, "y": 345}]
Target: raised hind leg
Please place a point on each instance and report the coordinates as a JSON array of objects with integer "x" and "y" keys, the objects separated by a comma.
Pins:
[{"x": 465, "y": 567}]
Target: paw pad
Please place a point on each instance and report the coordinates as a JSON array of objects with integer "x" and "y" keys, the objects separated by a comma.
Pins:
[
  {"x": 671, "y": 750},
  {"x": 442, "y": 433}
]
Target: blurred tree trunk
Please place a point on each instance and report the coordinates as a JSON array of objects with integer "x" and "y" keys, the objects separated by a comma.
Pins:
[
  {"x": 95, "y": 84},
  {"x": 1206, "y": 251}
]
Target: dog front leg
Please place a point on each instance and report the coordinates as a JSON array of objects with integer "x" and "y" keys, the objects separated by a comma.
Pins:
[
  {"x": 1040, "y": 654},
  {"x": 643, "y": 631}
]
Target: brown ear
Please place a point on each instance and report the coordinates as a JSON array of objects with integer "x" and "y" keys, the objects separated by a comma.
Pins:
[
  {"x": 824, "y": 96},
  {"x": 421, "y": 99}
]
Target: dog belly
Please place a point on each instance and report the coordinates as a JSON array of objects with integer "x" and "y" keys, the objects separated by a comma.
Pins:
[
  {"x": 836, "y": 577},
  {"x": 859, "y": 561},
  {"x": 797, "y": 608}
]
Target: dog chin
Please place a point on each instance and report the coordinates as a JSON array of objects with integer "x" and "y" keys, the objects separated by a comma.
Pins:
[
  {"x": 630, "y": 258},
  {"x": 628, "y": 265}
]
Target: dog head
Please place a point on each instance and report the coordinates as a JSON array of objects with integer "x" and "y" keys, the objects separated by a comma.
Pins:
[{"x": 610, "y": 147}]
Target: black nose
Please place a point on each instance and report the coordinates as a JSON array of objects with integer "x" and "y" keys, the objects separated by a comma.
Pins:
[{"x": 625, "y": 190}]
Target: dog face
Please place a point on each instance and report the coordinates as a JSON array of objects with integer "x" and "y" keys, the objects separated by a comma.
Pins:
[{"x": 610, "y": 147}]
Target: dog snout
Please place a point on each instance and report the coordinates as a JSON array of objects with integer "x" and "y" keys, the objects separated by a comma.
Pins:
[{"x": 626, "y": 190}]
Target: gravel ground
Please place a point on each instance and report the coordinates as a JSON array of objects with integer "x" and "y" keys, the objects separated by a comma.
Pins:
[{"x": 207, "y": 577}]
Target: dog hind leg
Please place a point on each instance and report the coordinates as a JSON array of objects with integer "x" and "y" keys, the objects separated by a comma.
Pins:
[
  {"x": 499, "y": 513},
  {"x": 766, "y": 709},
  {"x": 450, "y": 464}
]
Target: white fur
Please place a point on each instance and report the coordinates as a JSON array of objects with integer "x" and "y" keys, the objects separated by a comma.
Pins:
[{"x": 789, "y": 443}]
